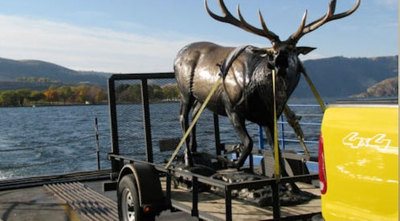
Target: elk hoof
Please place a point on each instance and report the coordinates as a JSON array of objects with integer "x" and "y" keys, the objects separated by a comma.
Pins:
[
  {"x": 234, "y": 164},
  {"x": 238, "y": 148},
  {"x": 292, "y": 187},
  {"x": 237, "y": 165},
  {"x": 229, "y": 163}
]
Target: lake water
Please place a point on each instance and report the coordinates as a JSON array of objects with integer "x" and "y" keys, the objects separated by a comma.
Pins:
[{"x": 60, "y": 139}]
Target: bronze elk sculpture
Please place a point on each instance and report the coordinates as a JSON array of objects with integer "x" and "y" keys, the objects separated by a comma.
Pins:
[{"x": 246, "y": 92}]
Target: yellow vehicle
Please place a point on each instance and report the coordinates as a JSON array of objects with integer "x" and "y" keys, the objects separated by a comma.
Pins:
[{"x": 358, "y": 161}]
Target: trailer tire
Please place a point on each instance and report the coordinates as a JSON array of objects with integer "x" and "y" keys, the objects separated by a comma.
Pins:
[{"x": 128, "y": 201}]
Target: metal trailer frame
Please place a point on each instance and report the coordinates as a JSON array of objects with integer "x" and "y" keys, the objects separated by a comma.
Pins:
[{"x": 118, "y": 161}]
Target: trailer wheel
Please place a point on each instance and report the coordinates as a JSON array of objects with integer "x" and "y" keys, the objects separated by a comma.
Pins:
[{"x": 128, "y": 201}]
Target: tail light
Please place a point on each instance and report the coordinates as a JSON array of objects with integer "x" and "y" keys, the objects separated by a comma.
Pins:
[{"x": 321, "y": 166}]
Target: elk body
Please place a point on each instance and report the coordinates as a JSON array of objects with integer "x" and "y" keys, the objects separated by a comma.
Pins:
[{"x": 246, "y": 92}]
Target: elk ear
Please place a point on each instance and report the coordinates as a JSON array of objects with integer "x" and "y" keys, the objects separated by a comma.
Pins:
[{"x": 304, "y": 50}]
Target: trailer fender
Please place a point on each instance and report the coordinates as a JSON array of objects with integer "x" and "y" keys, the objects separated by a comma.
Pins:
[{"x": 147, "y": 181}]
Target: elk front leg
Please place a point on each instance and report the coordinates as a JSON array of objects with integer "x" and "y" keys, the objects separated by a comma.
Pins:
[
  {"x": 269, "y": 133},
  {"x": 238, "y": 123},
  {"x": 293, "y": 121},
  {"x": 186, "y": 104}
]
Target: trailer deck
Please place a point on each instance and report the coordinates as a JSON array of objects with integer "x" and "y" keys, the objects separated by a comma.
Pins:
[
  {"x": 212, "y": 206},
  {"x": 36, "y": 203}
]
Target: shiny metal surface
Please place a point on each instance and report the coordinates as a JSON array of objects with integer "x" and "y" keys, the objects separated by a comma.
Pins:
[{"x": 246, "y": 92}]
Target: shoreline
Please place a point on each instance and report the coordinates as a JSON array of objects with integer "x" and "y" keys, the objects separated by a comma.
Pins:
[{"x": 81, "y": 104}]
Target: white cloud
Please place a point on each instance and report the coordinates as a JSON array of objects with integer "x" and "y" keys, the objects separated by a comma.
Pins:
[{"x": 86, "y": 48}]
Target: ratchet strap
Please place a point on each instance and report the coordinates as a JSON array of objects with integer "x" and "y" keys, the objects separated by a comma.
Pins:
[
  {"x": 313, "y": 89},
  {"x": 224, "y": 68},
  {"x": 293, "y": 122},
  {"x": 276, "y": 147},
  {"x": 194, "y": 122}
]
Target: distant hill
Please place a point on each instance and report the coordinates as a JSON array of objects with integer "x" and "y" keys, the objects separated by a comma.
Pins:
[
  {"x": 10, "y": 70},
  {"x": 385, "y": 88},
  {"x": 343, "y": 77},
  {"x": 333, "y": 77}
]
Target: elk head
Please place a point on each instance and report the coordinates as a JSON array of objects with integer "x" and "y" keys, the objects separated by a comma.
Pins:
[{"x": 283, "y": 54}]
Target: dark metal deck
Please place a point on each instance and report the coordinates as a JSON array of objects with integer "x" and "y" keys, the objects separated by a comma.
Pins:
[
  {"x": 212, "y": 206},
  {"x": 25, "y": 199},
  {"x": 90, "y": 204}
]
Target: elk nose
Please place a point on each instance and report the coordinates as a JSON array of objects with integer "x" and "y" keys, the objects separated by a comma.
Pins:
[{"x": 281, "y": 60}]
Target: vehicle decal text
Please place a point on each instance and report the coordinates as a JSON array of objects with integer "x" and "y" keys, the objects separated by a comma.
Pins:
[{"x": 377, "y": 141}]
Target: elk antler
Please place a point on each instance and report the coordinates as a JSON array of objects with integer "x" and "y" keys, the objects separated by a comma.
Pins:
[
  {"x": 329, "y": 16},
  {"x": 230, "y": 19}
]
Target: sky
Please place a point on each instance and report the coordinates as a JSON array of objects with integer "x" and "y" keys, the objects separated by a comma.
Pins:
[{"x": 132, "y": 36}]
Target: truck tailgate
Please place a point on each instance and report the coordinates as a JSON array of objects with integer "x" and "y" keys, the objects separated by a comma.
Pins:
[{"x": 361, "y": 161}]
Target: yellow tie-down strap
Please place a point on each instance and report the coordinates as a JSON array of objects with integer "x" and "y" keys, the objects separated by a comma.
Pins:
[
  {"x": 314, "y": 90},
  {"x": 194, "y": 121},
  {"x": 276, "y": 147}
]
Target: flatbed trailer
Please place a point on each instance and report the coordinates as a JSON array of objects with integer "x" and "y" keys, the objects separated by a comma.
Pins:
[
  {"x": 211, "y": 206},
  {"x": 145, "y": 188}
]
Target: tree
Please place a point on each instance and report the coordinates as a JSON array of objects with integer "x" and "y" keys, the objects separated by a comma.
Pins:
[
  {"x": 36, "y": 96},
  {"x": 101, "y": 96},
  {"x": 171, "y": 91},
  {"x": 9, "y": 98},
  {"x": 120, "y": 88},
  {"x": 155, "y": 92},
  {"x": 91, "y": 94},
  {"x": 51, "y": 95},
  {"x": 64, "y": 93},
  {"x": 82, "y": 93},
  {"x": 135, "y": 92},
  {"x": 22, "y": 96}
]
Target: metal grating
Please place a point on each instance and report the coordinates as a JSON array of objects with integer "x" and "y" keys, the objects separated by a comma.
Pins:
[{"x": 89, "y": 203}]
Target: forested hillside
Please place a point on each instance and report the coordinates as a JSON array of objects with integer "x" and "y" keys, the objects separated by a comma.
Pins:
[
  {"x": 333, "y": 77},
  {"x": 343, "y": 77},
  {"x": 385, "y": 88}
]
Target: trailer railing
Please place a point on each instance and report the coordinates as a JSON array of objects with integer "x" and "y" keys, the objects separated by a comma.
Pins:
[
  {"x": 310, "y": 121},
  {"x": 118, "y": 160}
]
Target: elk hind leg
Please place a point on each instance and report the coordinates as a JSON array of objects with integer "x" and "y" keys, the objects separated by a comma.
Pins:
[
  {"x": 193, "y": 141},
  {"x": 186, "y": 105}
]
